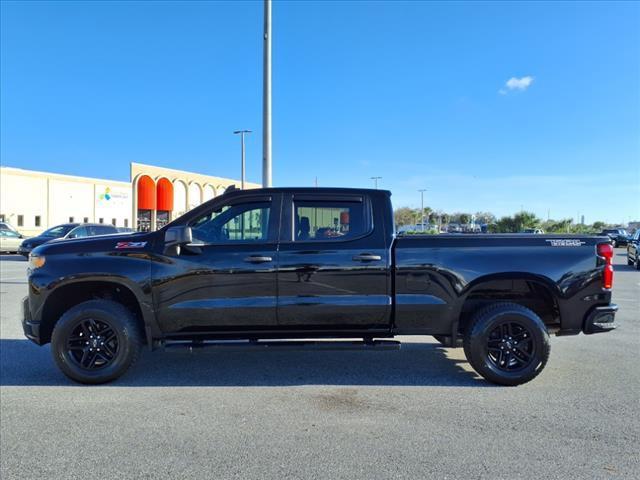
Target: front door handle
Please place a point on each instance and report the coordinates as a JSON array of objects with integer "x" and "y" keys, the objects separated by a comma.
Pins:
[
  {"x": 257, "y": 259},
  {"x": 366, "y": 257}
]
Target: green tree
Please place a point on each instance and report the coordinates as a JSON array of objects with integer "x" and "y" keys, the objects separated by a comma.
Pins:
[
  {"x": 505, "y": 225},
  {"x": 524, "y": 220},
  {"x": 598, "y": 226},
  {"x": 404, "y": 216},
  {"x": 485, "y": 217},
  {"x": 465, "y": 218}
]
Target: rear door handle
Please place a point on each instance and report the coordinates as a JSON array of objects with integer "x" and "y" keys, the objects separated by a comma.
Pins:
[
  {"x": 257, "y": 259},
  {"x": 366, "y": 257}
]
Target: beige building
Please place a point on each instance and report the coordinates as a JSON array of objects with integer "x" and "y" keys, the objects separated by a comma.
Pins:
[{"x": 33, "y": 201}]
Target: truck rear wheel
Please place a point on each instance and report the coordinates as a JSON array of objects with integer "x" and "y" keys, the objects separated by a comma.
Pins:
[
  {"x": 96, "y": 341},
  {"x": 507, "y": 344}
]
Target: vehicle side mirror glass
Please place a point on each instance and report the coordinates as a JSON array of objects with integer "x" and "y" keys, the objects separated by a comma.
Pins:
[{"x": 176, "y": 236}]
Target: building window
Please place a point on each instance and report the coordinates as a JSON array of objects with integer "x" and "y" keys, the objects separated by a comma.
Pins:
[
  {"x": 101, "y": 220},
  {"x": 126, "y": 222},
  {"x": 2, "y": 218},
  {"x": 21, "y": 220},
  {"x": 113, "y": 222},
  {"x": 86, "y": 220},
  {"x": 37, "y": 220},
  {"x": 70, "y": 219}
]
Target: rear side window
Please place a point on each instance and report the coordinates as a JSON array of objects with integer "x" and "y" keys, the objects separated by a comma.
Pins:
[
  {"x": 97, "y": 230},
  {"x": 79, "y": 232},
  {"x": 319, "y": 220}
]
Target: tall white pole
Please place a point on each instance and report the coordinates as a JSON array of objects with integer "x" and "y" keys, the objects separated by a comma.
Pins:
[
  {"x": 422, "y": 209},
  {"x": 266, "y": 98},
  {"x": 243, "y": 164}
]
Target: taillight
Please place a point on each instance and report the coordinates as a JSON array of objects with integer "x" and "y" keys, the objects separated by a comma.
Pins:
[{"x": 605, "y": 250}]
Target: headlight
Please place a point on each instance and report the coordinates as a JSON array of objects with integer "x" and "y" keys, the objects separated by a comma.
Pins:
[{"x": 36, "y": 261}]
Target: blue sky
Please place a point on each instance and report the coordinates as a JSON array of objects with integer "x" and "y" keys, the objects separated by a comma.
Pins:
[{"x": 417, "y": 92}]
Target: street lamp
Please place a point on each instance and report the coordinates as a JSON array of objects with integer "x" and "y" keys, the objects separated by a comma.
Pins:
[
  {"x": 375, "y": 181},
  {"x": 242, "y": 133},
  {"x": 266, "y": 97},
  {"x": 422, "y": 207}
]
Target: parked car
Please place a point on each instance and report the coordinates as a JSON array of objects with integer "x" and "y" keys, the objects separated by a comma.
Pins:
[
  {"x": 535, "y": 231},
  {"x": 299, "y": 263},
  {"x": 619, "y": 236},
  {"x": 7, "y": 226},
  {"x": 633, "y": 255},
  {"x": 66, "y": 231},
  {"x": 10, "y": 241}
]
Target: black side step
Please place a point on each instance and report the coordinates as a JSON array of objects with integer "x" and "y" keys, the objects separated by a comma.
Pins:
[{"x": 281, "y": 345}]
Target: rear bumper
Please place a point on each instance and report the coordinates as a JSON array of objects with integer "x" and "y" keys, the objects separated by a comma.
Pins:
[
  {"x": 600, "y": 320},
  {"x": 31, "y": 329}
]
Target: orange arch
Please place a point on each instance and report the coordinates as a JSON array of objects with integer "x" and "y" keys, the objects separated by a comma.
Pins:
[
  {"x": 165, "y": 195},
  {"x": 146, "y": 193}
]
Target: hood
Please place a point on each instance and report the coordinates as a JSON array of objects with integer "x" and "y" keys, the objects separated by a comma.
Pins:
[
  {"x": 100, "y": 243},
  {"x": 35, "y": 241}
]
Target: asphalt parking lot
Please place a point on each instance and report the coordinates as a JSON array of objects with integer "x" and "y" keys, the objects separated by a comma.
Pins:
[{"x": 420, "y": 412}]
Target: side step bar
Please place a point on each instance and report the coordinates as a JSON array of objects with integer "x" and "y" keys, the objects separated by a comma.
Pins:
[{"x": 280, "y": 345}]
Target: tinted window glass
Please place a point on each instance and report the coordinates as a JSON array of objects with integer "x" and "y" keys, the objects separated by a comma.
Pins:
[
  {"x": 329, "y": 220},
  {"x": 58, "y": 231},
  {"x": 244, "y": 222},
  {"x": 79, "y": 232},
  {"x": 103, "y": 230}
]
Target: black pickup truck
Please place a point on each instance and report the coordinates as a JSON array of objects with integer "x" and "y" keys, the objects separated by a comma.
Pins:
[{"x": 259, "y": 267}]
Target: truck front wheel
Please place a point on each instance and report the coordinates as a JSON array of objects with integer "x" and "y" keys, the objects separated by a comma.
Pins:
[
  {"x": 507, "y": 344},
  {"x": 96, "y": 341}
]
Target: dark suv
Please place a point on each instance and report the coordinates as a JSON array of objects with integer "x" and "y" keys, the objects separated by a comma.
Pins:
[
  {"x": 66, "y": 230},
  {"x": 619, "y": 236}
]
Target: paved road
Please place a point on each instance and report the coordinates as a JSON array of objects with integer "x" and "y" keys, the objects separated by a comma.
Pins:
[{"x": 417, "y": 413}]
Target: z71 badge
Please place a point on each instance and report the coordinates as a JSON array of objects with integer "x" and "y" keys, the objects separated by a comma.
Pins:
[
  {"x": 130, "y": 245},
  {"x": 565, "y": 242}
]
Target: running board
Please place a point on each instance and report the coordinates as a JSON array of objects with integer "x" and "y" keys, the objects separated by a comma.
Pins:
[{"x": 280, "y": 345}]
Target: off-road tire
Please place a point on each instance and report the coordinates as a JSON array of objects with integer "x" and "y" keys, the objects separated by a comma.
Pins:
[
  {"x": 126, "y": 333},
  {"x": 480, "y": 343}
]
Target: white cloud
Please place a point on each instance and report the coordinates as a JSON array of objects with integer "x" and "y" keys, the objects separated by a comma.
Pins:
[{"x": 515, "y": 83}]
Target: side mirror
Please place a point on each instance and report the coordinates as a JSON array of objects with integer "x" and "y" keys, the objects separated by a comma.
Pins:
[{"x": 176, "y": 236}]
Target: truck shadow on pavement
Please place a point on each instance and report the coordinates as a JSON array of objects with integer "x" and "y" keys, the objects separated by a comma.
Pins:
[{"x": 25, "y": 364}]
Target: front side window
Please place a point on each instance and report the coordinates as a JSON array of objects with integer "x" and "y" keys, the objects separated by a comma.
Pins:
[
  {"x": 321, "y": 221},
  {"x": 247, "y": 222},
  {"x": 58, "y": 231}
]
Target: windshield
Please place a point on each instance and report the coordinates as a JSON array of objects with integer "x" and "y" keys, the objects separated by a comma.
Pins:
[{"x": 59, "y": 231}]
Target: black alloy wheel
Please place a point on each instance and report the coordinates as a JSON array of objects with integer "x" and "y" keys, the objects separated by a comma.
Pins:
[
  {"x": 510, "y": 346},
  {"x": 93, "y": 344}
]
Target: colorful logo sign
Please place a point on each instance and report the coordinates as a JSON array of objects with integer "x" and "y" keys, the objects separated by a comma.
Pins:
[{"x": 106, "y": 195}]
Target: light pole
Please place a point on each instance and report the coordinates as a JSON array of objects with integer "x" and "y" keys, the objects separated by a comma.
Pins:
[
  {"x": 242, "y": 133},
  {"x": 375, "y": 181},
  {"x": 266, "y": 97},
  {"x": 422, "y": 208}
]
